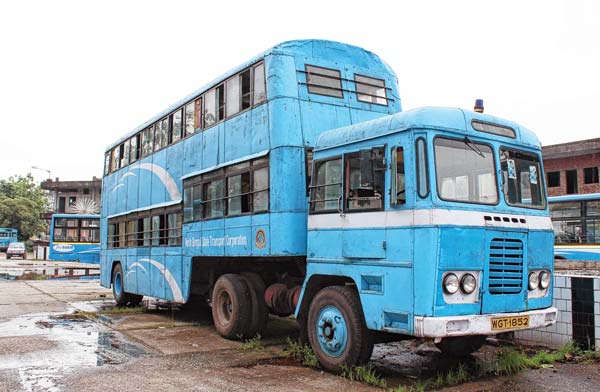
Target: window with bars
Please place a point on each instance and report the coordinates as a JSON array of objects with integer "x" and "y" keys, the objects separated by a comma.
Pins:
[
  {"x": 324, "y": 81},
  {"x": 159, "y": 227},
  {"x": 241, "y": 92},
  {"x": 235, "y": 190}
]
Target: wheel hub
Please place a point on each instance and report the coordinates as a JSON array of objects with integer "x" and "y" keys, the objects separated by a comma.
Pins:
[{"x": 332, "y": 331}]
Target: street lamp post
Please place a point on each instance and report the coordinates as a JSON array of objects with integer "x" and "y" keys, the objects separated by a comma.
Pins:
[{"x": 46, "y": 170}]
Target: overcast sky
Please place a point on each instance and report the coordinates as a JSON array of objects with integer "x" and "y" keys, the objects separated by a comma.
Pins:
[{"x": 77, "y": 75}]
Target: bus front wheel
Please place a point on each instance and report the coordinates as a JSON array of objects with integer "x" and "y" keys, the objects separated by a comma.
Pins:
[
  {"x": 336, "y": 329},
  {"x": 461, "y": 346},
  {"x": 123, "y": 298}
]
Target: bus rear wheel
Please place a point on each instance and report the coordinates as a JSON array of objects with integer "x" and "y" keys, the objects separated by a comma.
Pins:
[
  {"x": 260, "y": 311},
  {"x": 461, "y": 346},
  {"x": 123, "y": 298},
  {"x": 231, "y": 306},
  {"x": 336, "y": 329}
]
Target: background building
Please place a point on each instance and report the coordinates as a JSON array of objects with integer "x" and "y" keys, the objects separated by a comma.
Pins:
[
  {"x": 73, "y": 197},
  {"x": 572, "y": 167}
]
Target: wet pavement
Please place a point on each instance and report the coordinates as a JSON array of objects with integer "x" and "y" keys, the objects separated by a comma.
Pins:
[{"x": 66, "y": 335}]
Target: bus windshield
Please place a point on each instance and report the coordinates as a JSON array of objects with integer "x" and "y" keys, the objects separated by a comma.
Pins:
[
  {"x": 521, "y": 181},
  {"x": 465, "y": 171}
]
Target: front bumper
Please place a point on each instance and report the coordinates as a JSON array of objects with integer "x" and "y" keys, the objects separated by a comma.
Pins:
[{"x": 440, "y": 327}]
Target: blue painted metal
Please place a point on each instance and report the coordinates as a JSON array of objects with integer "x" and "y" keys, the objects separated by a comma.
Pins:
[
  {"x": 282, "y": 128},
  {"x": 7, "y": 235},
  {"x": 85, "y": 252},
  {"x": 332, "y": 332},
  {"x": 396, "y": 257},
  {"x": 412, "y": 256}
]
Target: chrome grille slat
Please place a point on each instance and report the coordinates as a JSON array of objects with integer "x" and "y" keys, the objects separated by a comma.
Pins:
[{"x": 505, "y": 274}]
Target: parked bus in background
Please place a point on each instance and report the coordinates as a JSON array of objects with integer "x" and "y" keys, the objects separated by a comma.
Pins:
[
  {"x": 75, "y": 237},
  {"x": 576, "y": 222},
  {"x": 412, "y": 231},
  {"x": 7, "y": 235}
]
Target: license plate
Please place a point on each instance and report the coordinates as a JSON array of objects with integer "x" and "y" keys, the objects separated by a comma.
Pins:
[{"x": 514, "y": 322}]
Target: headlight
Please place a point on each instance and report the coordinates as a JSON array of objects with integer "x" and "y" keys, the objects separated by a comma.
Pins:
[
  {"x": 533, "y": 280},
  {"x": 468, "y": 283},
  {"x": 544, "y": 280},
  {"x": 450, "y": 283}
]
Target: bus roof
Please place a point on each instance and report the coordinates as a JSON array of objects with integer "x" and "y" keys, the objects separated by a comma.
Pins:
[
  {"x": 440, "y": 118},
  {"x": 578, "y": 197},
  {"x": 307, "y": 47},
  {"x": 75, "y": 216}
]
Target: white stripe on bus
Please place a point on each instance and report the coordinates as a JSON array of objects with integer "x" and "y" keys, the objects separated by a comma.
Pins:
[{"x": 425, "y": 217}]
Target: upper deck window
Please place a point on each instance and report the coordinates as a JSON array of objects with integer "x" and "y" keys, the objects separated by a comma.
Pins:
[
  {"x": 324, "y": 81},
  {"x": 370, "y": 90},
  {"x": 523, "y": 185},
  {"x": 494, "y": 129},
  {"x": 465, "y": 171}
]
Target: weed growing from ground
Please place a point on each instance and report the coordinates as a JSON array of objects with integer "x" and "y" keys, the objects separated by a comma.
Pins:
[
  {"x": 364, "y": 374},
  {"x": 302, "y": 353},
  {"x": 253, "y": 343}
]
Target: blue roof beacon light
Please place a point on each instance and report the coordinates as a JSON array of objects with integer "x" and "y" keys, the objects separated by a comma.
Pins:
[{"x": 478, "y": 106}]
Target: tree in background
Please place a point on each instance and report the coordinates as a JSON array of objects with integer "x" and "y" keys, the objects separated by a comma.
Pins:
[{"x": 22, "y": 204}]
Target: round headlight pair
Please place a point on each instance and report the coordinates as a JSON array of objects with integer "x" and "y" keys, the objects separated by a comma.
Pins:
[
  {"x": 539, "y": 279},
  {"x": 467, "y": 283}
]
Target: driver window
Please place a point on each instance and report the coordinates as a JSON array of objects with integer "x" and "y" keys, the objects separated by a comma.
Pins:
[
  {"x": 398, "y": 177},
  {"x": 364, "y": 173}
]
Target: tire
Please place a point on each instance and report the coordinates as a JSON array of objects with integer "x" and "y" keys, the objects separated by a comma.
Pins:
[
  {"x": 260, "y": 312},
  {"x": 123, "y": 298},
  {"x": 336, "y": 329},
  {"x": 461, "y": 346},
  {"x": 231, "y": 306}
]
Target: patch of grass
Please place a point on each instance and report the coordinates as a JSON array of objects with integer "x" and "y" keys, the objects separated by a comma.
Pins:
[
  {"x": 253, "y": 344},
  {"x": 302, "y": 353},
  {"x": 458, "y": 375},
  {"x": 364, "y": 374},
  {"x": 510, "y": 361}
]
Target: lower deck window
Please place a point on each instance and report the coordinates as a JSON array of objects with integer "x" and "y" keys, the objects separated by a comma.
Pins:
[{"x": 159, "y": 227}]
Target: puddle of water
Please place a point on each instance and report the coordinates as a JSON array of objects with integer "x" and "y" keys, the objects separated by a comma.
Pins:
[
  {"x": 43, "y": 273},
  {"x": 76, "y": 343}
]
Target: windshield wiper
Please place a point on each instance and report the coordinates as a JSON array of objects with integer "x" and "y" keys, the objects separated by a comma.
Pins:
[{"x": 473, "y": 146}]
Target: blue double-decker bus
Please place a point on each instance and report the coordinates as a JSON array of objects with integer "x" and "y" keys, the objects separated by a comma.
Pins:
[
  {"x": 576, "y": 221},
  {"x": 7, "y": 235},
  {"x": 75, "y": 237},
  {"x": 421, "y": 223}
]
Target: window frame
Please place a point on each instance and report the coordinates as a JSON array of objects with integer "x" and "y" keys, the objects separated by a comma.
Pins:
[
  {"x": 385, "y": 90},
  {"x": 309, "y": 85},
  {"x": 418, "y": 164},
  {"x": 311, "y": 201},
  {"x": 494, "y": 172},
  {"x": 223, "y": 174},
  {"x": 541, "y": 178}
]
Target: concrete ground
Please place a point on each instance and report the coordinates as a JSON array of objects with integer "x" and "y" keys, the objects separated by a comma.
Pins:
[{"x": 64, "y": 334}]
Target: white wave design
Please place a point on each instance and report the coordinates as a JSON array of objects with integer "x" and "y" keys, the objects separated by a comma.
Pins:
[
  {"x": 164, "y": 177},
  {"x": 177, "y": 294},
  {"x": 132, "y": 269}
]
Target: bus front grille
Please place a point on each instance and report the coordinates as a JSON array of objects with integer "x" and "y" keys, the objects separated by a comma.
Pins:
[{"x": 506, "y": 266}]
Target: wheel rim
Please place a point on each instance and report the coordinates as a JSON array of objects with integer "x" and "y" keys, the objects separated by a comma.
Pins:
[
  {"x": 225, "y": 306},
  {"x": 332, "y": 332},
  {"x": 118, "y": 283}
]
